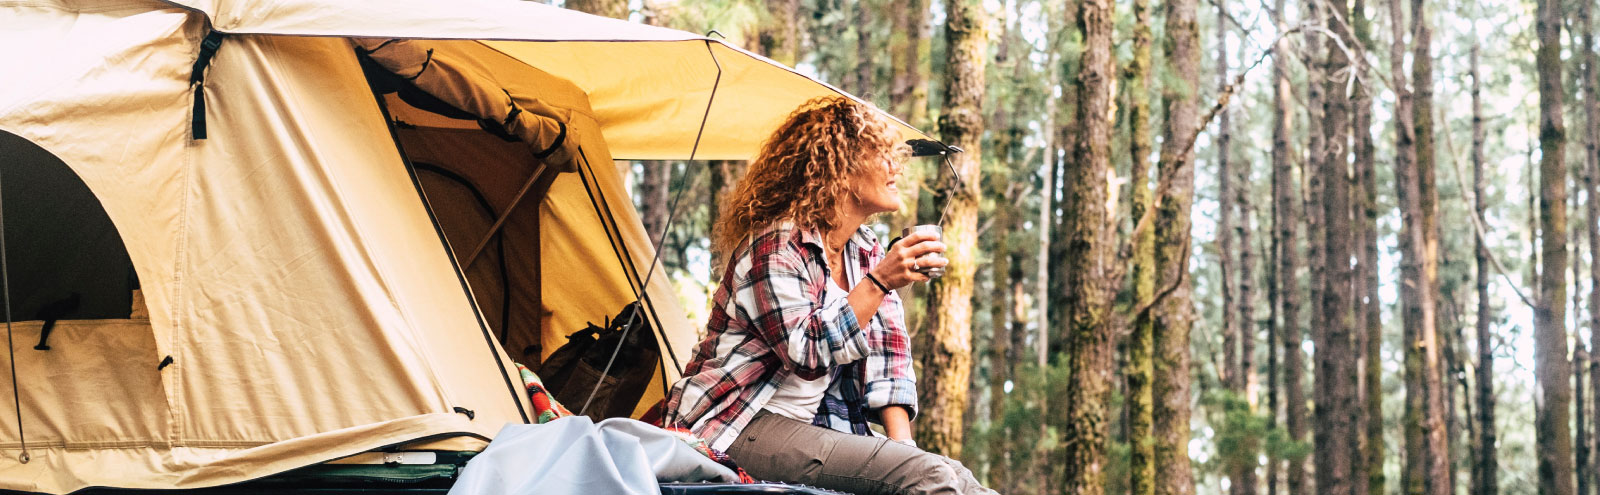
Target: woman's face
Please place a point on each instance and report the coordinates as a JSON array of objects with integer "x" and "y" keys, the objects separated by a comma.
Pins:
[{"x": 877, "y": 190}]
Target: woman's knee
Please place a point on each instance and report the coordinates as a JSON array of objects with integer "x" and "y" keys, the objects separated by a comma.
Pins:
[{"x": 933, "y": 477}]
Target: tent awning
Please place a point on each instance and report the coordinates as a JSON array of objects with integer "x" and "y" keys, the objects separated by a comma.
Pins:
[{"x": 650, "y": 87}]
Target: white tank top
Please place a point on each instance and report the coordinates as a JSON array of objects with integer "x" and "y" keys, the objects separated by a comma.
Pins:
[{"x": 798, "y": 398}]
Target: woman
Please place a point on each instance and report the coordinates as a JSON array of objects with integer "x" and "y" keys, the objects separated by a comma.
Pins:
[{"x": 805, "y": 327}]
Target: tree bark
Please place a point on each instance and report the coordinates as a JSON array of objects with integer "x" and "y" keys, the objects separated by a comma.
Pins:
[
  {"x": 1369, "y": 475},
  {"x": 1335, "y": 371},
  {"x": 946, "y": 350},
  {"x": 724, "y": 174},
  {"x": 1370, "y": 304},
  {"x": 1285, "y": 223},
  {"x": 999, "y": 343},
  {"x": 1138, "y": 347},
  {"x": 1312, "y": 175},
  {"x": 1174, "y": 316},
  {"x": 1229, "y": 372},
  {"x": 909, "y": 92},
  {"x": 1423, "y": 321},
  {"x": 1591, "y": 160},
  {"x": 1089, "y": 256},
  {"x": 1486, "y": 466},
  {"x": 864, "y": 83},
  {"x": 1552, "y": 368},
  {"x": 1239, "y": 330},
  {"x": 1580, "y": 356}
]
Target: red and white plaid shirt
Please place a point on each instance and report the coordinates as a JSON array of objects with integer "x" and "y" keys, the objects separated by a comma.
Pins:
[{"x": 770, "y": 319}]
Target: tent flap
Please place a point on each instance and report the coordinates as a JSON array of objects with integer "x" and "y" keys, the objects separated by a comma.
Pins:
[{"x": 475, "y": 91}]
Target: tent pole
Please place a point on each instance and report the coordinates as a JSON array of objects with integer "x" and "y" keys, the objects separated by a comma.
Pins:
[{"x": 500, "y": 222}]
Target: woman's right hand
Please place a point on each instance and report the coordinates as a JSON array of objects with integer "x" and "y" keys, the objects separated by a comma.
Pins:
[{"x": 902, "y": 261}]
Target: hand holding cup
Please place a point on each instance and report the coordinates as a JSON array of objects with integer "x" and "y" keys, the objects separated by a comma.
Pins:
[{"x": 916, "y": 257}]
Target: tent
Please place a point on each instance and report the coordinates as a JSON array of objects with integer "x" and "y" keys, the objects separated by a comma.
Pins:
[{"x": 250, "y": 261}]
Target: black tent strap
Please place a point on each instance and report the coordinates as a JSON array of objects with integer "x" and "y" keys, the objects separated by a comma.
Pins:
[{"x": 197, "y": 81}]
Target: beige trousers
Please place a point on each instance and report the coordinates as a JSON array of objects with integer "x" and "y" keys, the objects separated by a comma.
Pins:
[{"x": 776, "y": 448}]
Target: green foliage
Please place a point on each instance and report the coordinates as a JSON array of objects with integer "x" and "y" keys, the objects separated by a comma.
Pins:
[
  {"x": 1244, "y": 435},
  {"x": 1024, "y": 430}
]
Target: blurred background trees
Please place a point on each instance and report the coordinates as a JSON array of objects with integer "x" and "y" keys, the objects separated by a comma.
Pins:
[{"x": 1178, "y": 271}]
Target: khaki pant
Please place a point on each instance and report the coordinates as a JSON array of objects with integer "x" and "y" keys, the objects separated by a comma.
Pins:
[{"x": 776, "y": 448}]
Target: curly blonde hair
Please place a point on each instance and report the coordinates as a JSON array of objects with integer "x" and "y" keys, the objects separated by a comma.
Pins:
[{"x": 804, "y": 171}]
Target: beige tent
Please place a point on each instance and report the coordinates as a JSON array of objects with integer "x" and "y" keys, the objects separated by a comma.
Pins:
[{"x": 279, "y": 294}]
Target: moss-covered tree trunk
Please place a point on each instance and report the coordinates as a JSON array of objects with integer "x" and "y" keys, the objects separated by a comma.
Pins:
[
  {"x": 1174, "y": 316},
  {"x": 945, "y": 350},
  {"x": 1089, "y": 256},
  {"x": 1137, "y": 347}
]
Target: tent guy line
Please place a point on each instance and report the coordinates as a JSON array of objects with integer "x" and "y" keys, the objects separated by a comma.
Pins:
[
  {"x": 672, "y": 212},
  {"x": 5, "y": 284}
]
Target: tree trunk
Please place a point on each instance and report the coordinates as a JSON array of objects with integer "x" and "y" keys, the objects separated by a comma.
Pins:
[
  {"x": 1274, "y": 328},
  {"x": 1137, "y": 373},
  {"x": 1174, "y": 316},
  {"x": 1089, "y": 258},
  {"x": 1580, "y": 356},
  {"x": 1369, "y": 476},
  {"x": 999, "y": 342},
  {"x": 864, "y": 83},
  {"x": 1552, "y": 369},
  {"x": 1285, "y": 223},
  {"x": 1485, "y": 463},
  {"x": 909, "y": 93},
  {"x": 1239, "y": 330},
  {"x": 1411, "y": 245},
  {"x": 1423, "y": 321},
  {"x": 1335, "y": 372},
  {"x": 616, "y": 9},
  {"x": 724, "y": 174},
  {"x": 1229, "y": 372},
  {"x": 1591, "y": 160},
  {"x": 1312, "y": 175},
  {"x": 946, "y": 347},
  {"x": 654, "y": 185}
]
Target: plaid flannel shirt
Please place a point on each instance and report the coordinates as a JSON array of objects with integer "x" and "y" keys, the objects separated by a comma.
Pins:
[{"x": 770, "y": 319}]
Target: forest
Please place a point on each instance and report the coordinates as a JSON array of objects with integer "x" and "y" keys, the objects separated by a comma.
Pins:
[{"x": 1244, "y": 247}]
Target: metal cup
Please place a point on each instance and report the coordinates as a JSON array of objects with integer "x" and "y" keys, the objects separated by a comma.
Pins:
[{"x": 938, "y": 235}]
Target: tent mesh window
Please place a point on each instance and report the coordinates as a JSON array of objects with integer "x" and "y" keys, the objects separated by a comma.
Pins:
[{"x": 65, "y": 259}]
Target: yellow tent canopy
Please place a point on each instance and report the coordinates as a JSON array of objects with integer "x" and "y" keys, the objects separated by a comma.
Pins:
[{"x": 304, "y": 288}]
